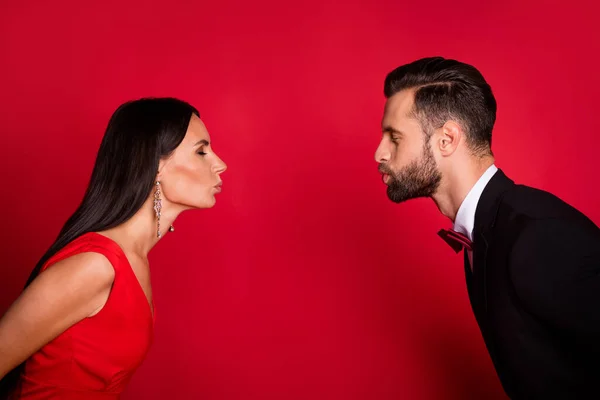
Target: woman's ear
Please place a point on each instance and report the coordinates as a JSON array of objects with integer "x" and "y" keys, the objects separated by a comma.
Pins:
[{"x": 161, "y": 167}]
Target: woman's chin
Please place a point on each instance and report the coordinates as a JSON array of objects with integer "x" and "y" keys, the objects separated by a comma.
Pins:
[
  {"x": 200, "y": 205},
  {"x": 207, "y": 203}
]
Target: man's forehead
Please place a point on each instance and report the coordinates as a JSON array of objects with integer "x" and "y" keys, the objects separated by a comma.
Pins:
[
  {"x": 398, "y": 106},
  {"x": 401, "y": 101}
]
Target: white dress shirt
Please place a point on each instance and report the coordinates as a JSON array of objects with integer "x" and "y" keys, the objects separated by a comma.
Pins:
[{"x": 465, "y": 217}]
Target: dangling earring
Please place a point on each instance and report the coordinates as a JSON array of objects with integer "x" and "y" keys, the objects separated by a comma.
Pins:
[{"x": 157, "y": 207}]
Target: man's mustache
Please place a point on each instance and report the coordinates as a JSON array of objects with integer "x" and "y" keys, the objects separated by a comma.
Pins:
[{"x": 384, "y": 169}]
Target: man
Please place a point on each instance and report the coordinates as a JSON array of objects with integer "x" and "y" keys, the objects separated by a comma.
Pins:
[{"x": 532, "y": 262}]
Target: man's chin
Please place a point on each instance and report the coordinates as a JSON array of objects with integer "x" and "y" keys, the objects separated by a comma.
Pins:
[{"x": 396, "y": 197}]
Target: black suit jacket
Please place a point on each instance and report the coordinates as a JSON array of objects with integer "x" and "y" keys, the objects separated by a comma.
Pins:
[{"x": 535, "y": 291}]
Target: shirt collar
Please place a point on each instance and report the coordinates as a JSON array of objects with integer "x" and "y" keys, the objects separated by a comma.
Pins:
[{"x": 465, "y": 217}]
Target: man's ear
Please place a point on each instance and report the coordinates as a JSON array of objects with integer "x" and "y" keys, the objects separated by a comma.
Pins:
[{"x": 450, "y": 136}]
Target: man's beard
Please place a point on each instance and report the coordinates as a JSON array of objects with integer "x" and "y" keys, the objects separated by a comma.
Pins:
[{"x": 420, "y": 178}]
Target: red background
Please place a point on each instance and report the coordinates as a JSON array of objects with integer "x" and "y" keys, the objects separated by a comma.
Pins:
[{"x": 305, "y": 281}]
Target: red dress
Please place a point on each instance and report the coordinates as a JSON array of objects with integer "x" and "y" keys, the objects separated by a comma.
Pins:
[{"x": 96, "y": 357}]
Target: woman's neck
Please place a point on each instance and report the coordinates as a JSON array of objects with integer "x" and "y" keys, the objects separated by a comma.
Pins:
[{"x": 139, "y": 234}]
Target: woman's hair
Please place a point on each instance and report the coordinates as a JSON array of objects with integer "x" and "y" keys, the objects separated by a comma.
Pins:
[{"x": 139, "y": 134}]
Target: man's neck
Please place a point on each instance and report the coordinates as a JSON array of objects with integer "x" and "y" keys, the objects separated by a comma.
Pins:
[{"x": 457, "y": 183}]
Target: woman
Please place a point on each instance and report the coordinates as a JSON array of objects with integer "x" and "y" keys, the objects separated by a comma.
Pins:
[{"x": 84, "y": 322}]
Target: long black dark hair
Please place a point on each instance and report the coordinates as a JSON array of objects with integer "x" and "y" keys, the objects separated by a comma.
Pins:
[{"x": 139, "y": 134}]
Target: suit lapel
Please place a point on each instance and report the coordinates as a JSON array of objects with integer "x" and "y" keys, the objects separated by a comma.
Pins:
[
  {"x": 485, "y": 215},
  {"x": 480, "y": 250},
  {"x": 470, "y": 289}
]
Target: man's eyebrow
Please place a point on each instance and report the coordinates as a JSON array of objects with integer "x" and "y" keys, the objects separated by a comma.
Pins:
[{"x": 391, "y": 130}]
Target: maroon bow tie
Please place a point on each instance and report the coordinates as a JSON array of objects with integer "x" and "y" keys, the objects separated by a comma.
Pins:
[{"x": 456, "y": 240}]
